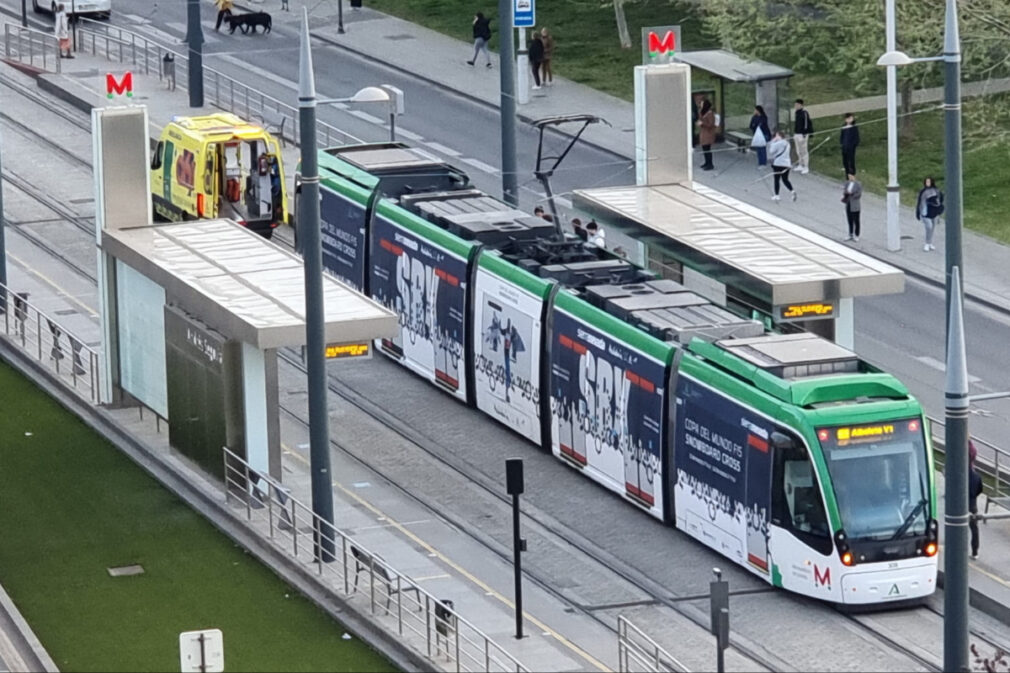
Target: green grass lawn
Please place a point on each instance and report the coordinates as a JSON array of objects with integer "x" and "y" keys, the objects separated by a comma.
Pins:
[
  {"x": 73, "y": 506},
  {"x": 986, "y": 171}
]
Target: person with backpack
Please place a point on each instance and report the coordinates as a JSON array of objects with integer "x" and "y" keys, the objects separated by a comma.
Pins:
[
  {"x": 759, "y": 126},
  {"x": 481, "y": 36},
  {"x": 928, "y": 209}
]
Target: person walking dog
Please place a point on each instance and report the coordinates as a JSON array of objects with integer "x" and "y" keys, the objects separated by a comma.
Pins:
[
  {"x": 781, "y": 163},
  {"x": 224, "y": 8},
  {"x": 928, "y": 209},
  {"x": 852, "y": 198},
  {"x": 803, "y": 128},
  {"x": 481, "y": 36}
]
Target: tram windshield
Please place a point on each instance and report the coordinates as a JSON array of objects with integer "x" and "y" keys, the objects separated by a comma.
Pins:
[{"x": 879, "y": 474}]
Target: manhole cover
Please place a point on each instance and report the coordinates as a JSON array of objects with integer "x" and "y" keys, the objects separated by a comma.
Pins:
[{"x": 126, "y": 571}]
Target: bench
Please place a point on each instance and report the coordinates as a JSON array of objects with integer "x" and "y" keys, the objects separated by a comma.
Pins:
[
  {"x": 739, "y": 138},
  {"x": 363, "y": 560}
]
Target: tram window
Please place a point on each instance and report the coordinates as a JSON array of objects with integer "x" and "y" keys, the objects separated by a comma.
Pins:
[
  {"x": 797, "y": 504},
  {"x": 159, "y": 150}
]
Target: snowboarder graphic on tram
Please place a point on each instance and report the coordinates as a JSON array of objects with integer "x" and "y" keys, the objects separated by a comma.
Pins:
[{"x": 511, "y": 342}]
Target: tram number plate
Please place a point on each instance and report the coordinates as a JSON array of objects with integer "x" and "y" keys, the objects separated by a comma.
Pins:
[
  {"x": 358, "y": 350},
  {"x": 813, "y": 310}
]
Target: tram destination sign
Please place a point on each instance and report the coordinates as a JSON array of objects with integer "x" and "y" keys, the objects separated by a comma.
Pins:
[
  {"x": 358, "y": 350},
  {"x": 813, "y": 310}
]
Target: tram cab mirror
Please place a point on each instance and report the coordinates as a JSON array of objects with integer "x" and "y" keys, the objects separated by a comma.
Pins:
[{"x": 782, "y": 442}]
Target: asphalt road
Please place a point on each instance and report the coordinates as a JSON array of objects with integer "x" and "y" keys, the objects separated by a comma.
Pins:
[{"x": 902, "y": 333}]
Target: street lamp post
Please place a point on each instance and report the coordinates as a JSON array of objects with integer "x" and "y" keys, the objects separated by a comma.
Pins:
[
  {"x": 893, "y": 191},
  {"x": 194, "y": 36},
  {"x": 956, "y": 516},
  {"x": 507, "y": 109},
  {"x": 315, "y": 317}
]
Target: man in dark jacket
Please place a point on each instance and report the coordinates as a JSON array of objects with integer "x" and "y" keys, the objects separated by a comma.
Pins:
[
  {"x": 803, "y": 128},
  {"x": 536, "y": 56},
  {"x": 849, "y": 140},
  {"x": 481, "y": 36},
  {"x": 974, "y": 490}
]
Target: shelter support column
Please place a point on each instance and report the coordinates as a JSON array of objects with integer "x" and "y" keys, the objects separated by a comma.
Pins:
[
  {"x": 845, "y": 324},
  {"x": 260, "y": 405},
  {"x": 766, "y": 94}
]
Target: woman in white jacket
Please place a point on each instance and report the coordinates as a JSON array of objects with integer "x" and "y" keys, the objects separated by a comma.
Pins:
[
  {"x": 62, "y": 28},
  {"x": 782, "y": 161}
]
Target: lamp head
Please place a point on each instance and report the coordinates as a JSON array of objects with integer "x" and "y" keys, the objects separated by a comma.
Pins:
[
  {"x": 897, "y": 58},
  {"x": 370, "y": 94}
]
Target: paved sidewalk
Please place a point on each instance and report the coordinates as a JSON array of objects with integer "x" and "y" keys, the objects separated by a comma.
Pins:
[{"x": 440, "y": 60}]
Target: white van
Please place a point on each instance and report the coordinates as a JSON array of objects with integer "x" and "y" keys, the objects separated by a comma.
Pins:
[{"x": 97, "y": 8}]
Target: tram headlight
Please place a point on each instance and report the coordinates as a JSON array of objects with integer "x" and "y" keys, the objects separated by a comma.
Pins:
[
  {"x": 847, "y": 559},
  {"x": 844, "y": 552},
  {"x": 931, "y": 548}
]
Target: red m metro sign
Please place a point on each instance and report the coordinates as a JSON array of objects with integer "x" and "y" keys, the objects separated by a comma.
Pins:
[
  {"x": 124, "y": 85},
  {"x": 660, "y": 44}
]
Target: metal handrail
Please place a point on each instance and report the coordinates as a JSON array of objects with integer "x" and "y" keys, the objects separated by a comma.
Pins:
[
  {"x": 634, "y": 646},
  {"x": 44, "y": 338},
  {"x": 993, "y": 466},
  {"x": 423, "y": 621},
  {"x": 20, "y": 42},
  {"x": 220, "y": 90}
]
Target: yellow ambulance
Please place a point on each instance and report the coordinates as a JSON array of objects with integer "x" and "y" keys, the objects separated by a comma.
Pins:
[{"x": 219, "y": 166}]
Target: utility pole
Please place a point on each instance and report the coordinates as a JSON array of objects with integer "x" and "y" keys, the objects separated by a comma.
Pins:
[
  {"x": 955, "y": 559},
  {"x": 509, "y": 177},
  {"x": 340, "y": 16},
  {"x": 515, "y": 486},
  {"x": 893, "y": 190},
  {"x": 3, "y": 237},
  {"x": 194, "y": 36},
  {"x": 315, "y": 317}
]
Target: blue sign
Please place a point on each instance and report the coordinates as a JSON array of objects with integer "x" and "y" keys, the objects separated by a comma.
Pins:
[
  {"x": 342, "y": 235},
  {"x": 524, "y": 13}
]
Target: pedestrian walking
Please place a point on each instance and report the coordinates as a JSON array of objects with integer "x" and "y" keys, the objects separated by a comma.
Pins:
[
  {"x": 62, "y": 28},
  {"x": 803, "y": 128},
  {"x": 224, "y": 8},
  {"x": 759, "y": 126},
  {"x": 928, "y": 209},
  {"x": 706, "y": 133},
  {"x": 974, "y": 490},
  {"x": 849, "y": 140},
  {"x": 481, "y": 36},
  {"x": 852, "y": 198},
  {"x": 536, "y": 56},
  {"x": 546, "y": 75},
  {"x": 782, "y": 161}
]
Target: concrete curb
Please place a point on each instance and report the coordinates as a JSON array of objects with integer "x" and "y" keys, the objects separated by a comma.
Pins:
[
  {"x": 193, "y": 488},
  {"x": 27, "y": 646}
]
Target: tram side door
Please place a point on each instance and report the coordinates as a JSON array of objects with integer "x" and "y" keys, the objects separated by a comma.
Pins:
[
  {"x": 759, "y": 476},
  {"x": 167, "y": 166},
  {"x": 212, "y": 179}
]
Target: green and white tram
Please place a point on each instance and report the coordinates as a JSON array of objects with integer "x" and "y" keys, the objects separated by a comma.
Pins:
[{"x": 785, "y": 453}]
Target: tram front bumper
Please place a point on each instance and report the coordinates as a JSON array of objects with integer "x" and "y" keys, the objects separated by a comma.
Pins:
[{"x": 878, "y": 583}]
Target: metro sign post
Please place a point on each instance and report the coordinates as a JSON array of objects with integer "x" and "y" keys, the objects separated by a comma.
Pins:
[
  {"x": 524, "y": 14},
  {"x": 122, "y": 86},
  {"x": 660, "y": 44}
]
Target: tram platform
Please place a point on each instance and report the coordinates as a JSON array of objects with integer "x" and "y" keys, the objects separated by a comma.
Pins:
[{"x": 411, "y": 535}]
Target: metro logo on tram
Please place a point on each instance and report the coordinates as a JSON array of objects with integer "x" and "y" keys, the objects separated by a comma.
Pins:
[{"x": 822, "y": 579}]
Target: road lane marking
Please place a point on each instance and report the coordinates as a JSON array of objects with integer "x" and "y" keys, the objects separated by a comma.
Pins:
[
  {"x": 480, "y": 165},
  {"x": 371, "y": 119},
  {"x": 939, "y": 366},
  {"x": 409, "y": 135},
  {"x": 442, "y": 149},
  {"x": 434, "y": 553}
]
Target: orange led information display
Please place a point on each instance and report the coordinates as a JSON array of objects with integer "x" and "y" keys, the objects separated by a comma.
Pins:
[
  {"x": 864, "y": 432},
  {"x": 810, "y": 310},
  {"x": 352, "y": 350}
]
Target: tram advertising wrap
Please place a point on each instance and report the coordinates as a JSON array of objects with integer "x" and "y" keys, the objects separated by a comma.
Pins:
[
  {"x": 507, "y": 348},
  {"x": 425, "y": 285},
  {"x": 343, "y": 238},
  {"x": 722, "y": 452},
  {"x": 607, "y": 409}
]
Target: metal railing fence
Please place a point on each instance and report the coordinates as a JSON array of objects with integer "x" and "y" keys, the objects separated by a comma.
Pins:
[
  {"x": 42, "y": 337},
  {"x": 227, "y": 93},
  {"x": 32, "y": 47},
  {"x": 637, "y": 652},
  {"x": 426, "y": 624},
  {"x": 992, "y": 461}
]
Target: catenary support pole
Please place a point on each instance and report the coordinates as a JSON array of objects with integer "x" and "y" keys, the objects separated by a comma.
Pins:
[
  {"x": 509, "y": 178},
  {"x": 3, "y": 236},
  {"x": 315, "y": 318},
  {"x": 514, "y": 486},
  {"x": 893, "y": 191},
  {"x": 952, "y": 146},
  {"x": 194, "y": 38}
]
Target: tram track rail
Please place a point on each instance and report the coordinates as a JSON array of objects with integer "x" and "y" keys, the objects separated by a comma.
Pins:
[{"x": 647, "y": 585}]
